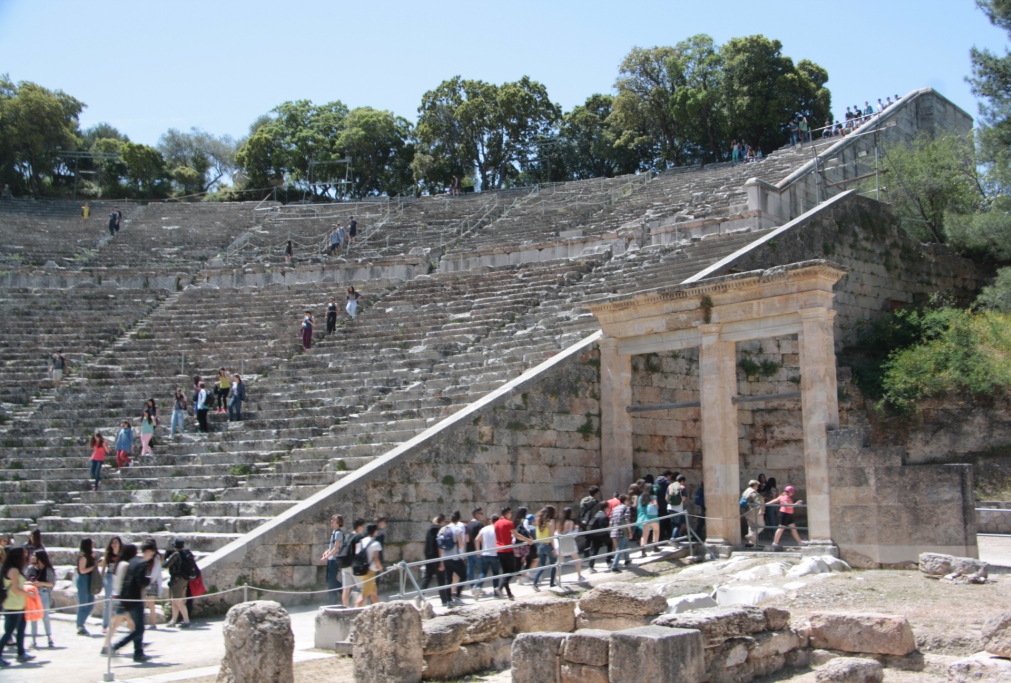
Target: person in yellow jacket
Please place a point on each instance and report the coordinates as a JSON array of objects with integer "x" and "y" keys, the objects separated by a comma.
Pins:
[{"x": 15, "y": 604}]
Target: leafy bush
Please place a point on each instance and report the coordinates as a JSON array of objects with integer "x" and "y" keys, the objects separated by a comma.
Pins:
[{"x": 998, "y": 295}]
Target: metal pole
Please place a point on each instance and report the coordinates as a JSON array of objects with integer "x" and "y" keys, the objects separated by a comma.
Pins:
[
  {"x": 877, "y": 171},
  {"x": 245, "y": 594}
]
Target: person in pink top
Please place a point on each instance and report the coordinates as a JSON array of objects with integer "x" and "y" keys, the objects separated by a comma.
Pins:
[
  {"x": 786, "y": 519},
  {"x": 99, "y": 449}
]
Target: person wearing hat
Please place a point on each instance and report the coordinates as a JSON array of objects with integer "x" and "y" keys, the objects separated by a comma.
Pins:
[
  {"x": 175, "y": 561},
  {"x": 754, "y": 502},
  {"x": 786, "y": 520}
]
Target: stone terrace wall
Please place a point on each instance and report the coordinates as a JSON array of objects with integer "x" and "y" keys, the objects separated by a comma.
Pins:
[
  {"x": 534, "y": 441},
  {"x": 888, "y": 269}
]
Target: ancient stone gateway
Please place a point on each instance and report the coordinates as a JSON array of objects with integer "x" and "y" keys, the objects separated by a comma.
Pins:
[{"x": 714, "y": 315}]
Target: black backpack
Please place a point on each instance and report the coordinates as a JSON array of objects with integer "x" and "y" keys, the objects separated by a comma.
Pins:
[
  {"x": 360, "y": 564},
  {"x": 135, "y": 580},
  {"x": 188, "y": 568},
  {"x": 586, "y": 512},
  {"x": 345, "y": 556}
]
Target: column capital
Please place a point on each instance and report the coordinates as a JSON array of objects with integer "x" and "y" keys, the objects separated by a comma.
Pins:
[{"x": 609, "y": 343}]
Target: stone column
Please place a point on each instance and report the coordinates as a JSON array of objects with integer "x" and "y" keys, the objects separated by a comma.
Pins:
[
  {"x": 615, "y": 421},
  {"x": 720, "y": 457},
  {"x": 820, "y": 406}
]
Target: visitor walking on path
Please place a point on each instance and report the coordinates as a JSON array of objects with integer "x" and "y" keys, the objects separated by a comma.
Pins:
[
  {"x": 146, "y": 433},
  {"x": 331, "y": 316},
  {"x": 660, "y": 491},
  {"x": 134, "y": 582},
  {"x": 153, "y": 591},
  {"x": 352, "y": 231},
  {"x": 372, "y": 548},
  {"x": 42, "y": 575},
  {"x": 505, "y": 536},
  {"x": 786, "y": 516},
  {"x": 434, "y": 567},
  {"x": 599, "y": 537},
  {"x": 86, "y": 565},
  {"x": 223, "y": 389},
  {"x": 180, "y": 563},
  {"x": 107, "y": 564},
  {"x": 647, "y": 514},
  {"x": 14, "y": 605},
  {"x": 58, "y": 367},
  {"x": 124, "y": 445},
  {"x": 113, "y": 223},
  {"x": 202, "y": 407},
  {"x": 119, "y": 613},
  {"x": 34, "y": 543},
  {"x": 99, "y": 449},
  {"x": 307, "y": 324},
  {"x": 288, "y": 252},
  {"x": 474, "y": 527},
  {"x": 566, "y": 541},
  {"x": 451, "y": 542},
  {"x": 178, "y": 414},
  {"x": 620, "y": 515},
  {"x": 238, "y": 396},
  {"x": 751, "y": 505},
  {"x": 333, "y": 570},
  {"x": 490, "y": 566},
  {"x": 769, "y": 492},
  {"x": 544, "y": 534},
  {"x": 352, "y": 302},
  {"x": 345, "y": 557},
  {"x": 677, "y": 496},
  {"x": 335, "y": 241}
]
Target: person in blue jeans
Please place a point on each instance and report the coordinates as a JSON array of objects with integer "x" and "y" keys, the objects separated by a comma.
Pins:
[
  {"x": 132, "y": 599},
  {"x": 333, "y": 571},
  {"x": 86, "y": 564},
  {"x": 235, "y": 402},
  {"x": 474, "y": 527},
  {"x": 178, "y": 414},
  {"x": 620, "y": 515},
  {"x": 490, "y": 565},
  {"x": 544, "y": 533}
]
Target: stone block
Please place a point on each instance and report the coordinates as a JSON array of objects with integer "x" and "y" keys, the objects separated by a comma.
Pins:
[
  {"x": 996, "y": 635},
  {"x": 979, "y": 668},
  {"x": 389, "y": 644},
  {"x": 729, "y": 654},
  {"x": 468, "y": 659},
  {"x": 623, "y": 599},
  {"x": 775, "y": 618},
  {"x": 443, "y": 635},
  {"x": 653, "y": 654},
  {"x": 486, "y": 621},
  {"x": 850, "y": 670},
  {"x": 718, "y": 624},
  {"x": 773, "y": 643},
  {"x": 608, "y": 622},
  {"x": 535, "y": 657},
  {"x": 583, "y": 673},
  {"x": 870, "y": 633},
  {"x": 333, "y": 625},
  {"x": 587, "y": 646},
  {"x": 938, "y": 565},
  {"x": 259, "y": 644},
  {"x": 543, "y": 613}
]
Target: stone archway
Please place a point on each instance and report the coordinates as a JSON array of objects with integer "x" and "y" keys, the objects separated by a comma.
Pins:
[{"x": 714, "y": 315}]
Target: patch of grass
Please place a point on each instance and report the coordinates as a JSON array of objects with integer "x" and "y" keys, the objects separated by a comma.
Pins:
[
  {"x": 178, "y": 497},
  {"x": 653, "y": 363},
  {"x": 240, "y": 470},
  {"x": 587, "y": 429},
  {"x": 768, "y": 368},
  {"x": 15, "y": 465},
  {"x": 749, "y": 367},
  {"x": 448, "y": 480},
  {"x": 341, "y": 466}
]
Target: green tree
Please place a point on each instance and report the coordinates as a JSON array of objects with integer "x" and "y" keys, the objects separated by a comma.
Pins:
[
  {"x": 36, "y": 124},
  {"x": 145, "y": 170},
  {"x": 588, "y": 140},
  {"x": 111, "y": 172},
  {"x": 198, "y": 159},
  {"x": 697, "y": 67},
  {"x": 466, "y": 125},
  {"x": 643, "y": 107},
  {"x": 381, "y": 152}
]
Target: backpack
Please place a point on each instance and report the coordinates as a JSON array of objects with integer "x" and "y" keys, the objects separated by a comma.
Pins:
[
  {"x": 586, "y": 512},
  {"x": 360, "y": 563},
  {"x": 446, "y": 539},
  {"x": 187, "y": 567},
  {"x": 744, "y": 504},
  {"x": 135, "y": 580},
  {"x": 345, "y": 556},
  {"x": 675, "y": 494}
]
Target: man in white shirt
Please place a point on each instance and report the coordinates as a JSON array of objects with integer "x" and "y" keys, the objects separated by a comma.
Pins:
[
  {"x": 452, "y": 542},
  {"x": 333, "y": 581},
  {"x": 372, "y": 548}
]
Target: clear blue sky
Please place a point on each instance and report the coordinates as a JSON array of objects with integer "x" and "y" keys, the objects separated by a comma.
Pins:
[{"x": 147, "y": 66}]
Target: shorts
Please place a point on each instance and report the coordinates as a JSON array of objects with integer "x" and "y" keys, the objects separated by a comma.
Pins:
[
  {"x": 348, "y": 579},
  {"x": 368, "y": 584},
  {"x": 785, "y": 518},
  {"x": 152, "y": 591},
  {"x": 177, "y": 587},
  {"x": 57, "y": 375}
]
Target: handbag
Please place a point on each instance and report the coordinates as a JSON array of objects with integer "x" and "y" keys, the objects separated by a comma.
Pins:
[
  {"x": 96, "y": 581},
  {"x": 197, "y": 587}
]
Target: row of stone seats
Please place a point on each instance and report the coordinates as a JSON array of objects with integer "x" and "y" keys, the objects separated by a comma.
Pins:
[
  {"x": 34, "y": 238},
  {"x": 173, "y": 235},
  {"x": 63, "y": 208},
  {"x": 81, "y": 322}
]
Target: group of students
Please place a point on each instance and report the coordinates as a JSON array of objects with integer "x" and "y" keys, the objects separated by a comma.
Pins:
[
  {"x": 854, "y": 117},
  {"x": 129, "y": 576},
  {"x": 229, "y": 393},
  {"x": 742, "y": 151},
  {"x": 309, "y": 320},
  {"x": 354, "y": 560},
  {"x": 342, "y": 238}
]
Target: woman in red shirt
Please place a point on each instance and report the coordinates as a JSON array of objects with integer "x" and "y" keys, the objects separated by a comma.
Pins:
[
  {"x": 99, "y": 449},
  {"x": 786, "y": 510}
]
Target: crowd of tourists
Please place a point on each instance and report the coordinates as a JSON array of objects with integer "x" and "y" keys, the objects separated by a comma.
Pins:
[
  {"x": 342, "y": 238},
  {"x": 517, "y": 546},
  {"x": 855, "y": 116},
  {"x": 126, "y": 580}
]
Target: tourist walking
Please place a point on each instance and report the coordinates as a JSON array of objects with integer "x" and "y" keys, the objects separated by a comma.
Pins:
[
  {"x": 113, "y": 223},
  {"x": 735, "y": 151},
  {"x": 786, "y": 517},
  {"x": 42, "y": 575},
  {"x": 107, "y": 564},
  {"x": 599, "y": 537},
  {"x": 331, "y": 316},
  {"x": 151, "y": 407},
  {"x": 86, "y": 565},
  {"x": 352, "y": 302},
  {"x": 434, "y": 568},
  {"x": 700, "y": 505},
  {"x": 124, "y": 445},
  {"x": 58, "y": 366},
  {"x": 202, "y": 407},
  {"x": 99, "y": 449},
  {"x": 222, "y": 390},
  {"x": 566, "y": 543},
  {"x": 660, "y": 487},
  {"x": 178, "y": 414},
  {"x": 490, "y": 566},
  {"x": 646, "y": 517},
  {"x": 371, "y": 546},
  {"x": 288, "y": 252},
  {"x": 307, "y": 324},
  {"x": 544, "y": 534},
  {"x": 751, "y": 505},
  {"x": 505, "y": 536},
  {"x": 677, "y": 495},
  {"x": 333, "y": 570},
  {"x": 34, "y": 543},
  {"x": 14, "y": 605},
  {"x": 474, "y": 527},
  {"x": 620, "y": 515},
  {"x": 346, "y": 556},
  {"x": 793, "y": 130},
  {"x": 146, "y": 433},
  {"x": 335, "y": 241},
  {"x": 352, "y": 231},
  {"x": 119, "y": 613},
  {"x": 235, "y": 402},
  {"x": 526, "y": 558},
  {"x": 154, "y": 583},
  {"x": 451, "y": 542},
  {"x": 180, "y": 565},
  {"x": 135, "y": 581},
  {"x": 769, "y": 492},
  {"x": 805, "y": 134}
]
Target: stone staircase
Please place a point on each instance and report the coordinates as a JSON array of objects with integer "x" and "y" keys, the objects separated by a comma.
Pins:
[{"x": 35, "y": 233}]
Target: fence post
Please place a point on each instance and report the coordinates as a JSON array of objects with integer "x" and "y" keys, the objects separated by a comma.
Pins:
[{"x": 245, "y": 594}]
